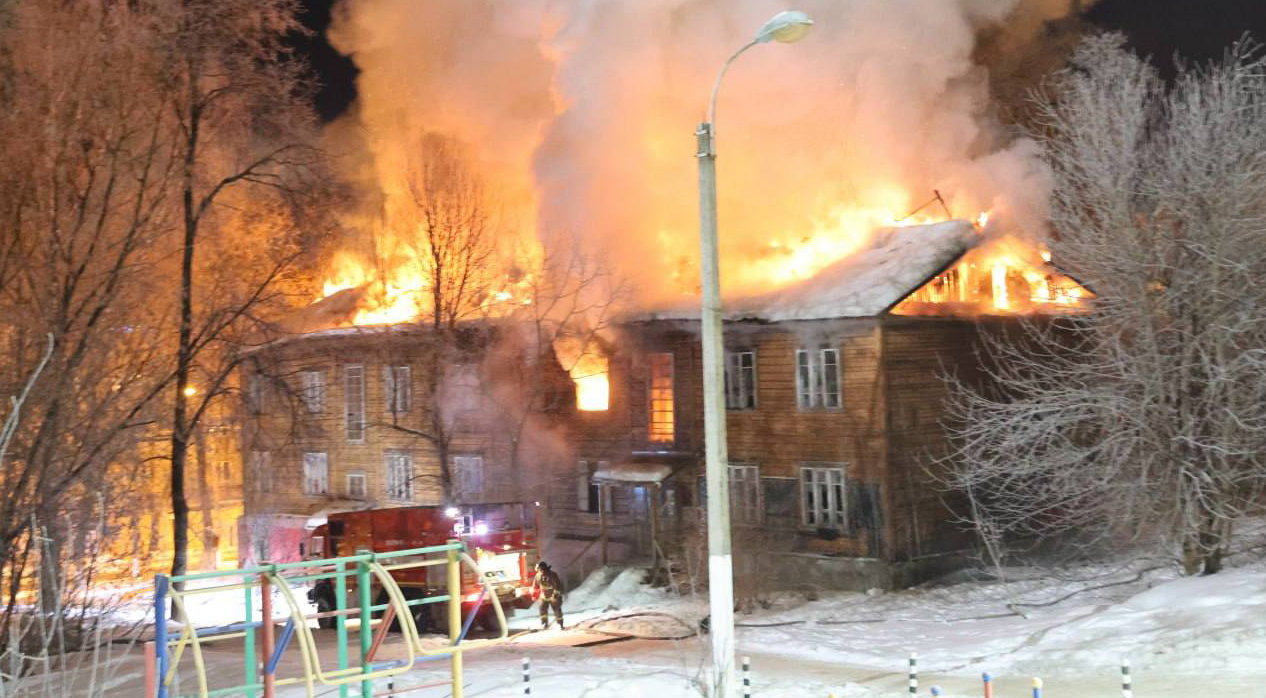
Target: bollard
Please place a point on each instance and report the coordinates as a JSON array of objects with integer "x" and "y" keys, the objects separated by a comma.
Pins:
[
  {"x": 988, "y": 681},
  {"x": 1037, "y": 687},
  {"x": 527, "y": 676},
  {"x": 936, "y": 690},
  {"x": 747, "y": 677},
  {"x": 1126, "y": 690},
  {"x": 914, "y": 674}
]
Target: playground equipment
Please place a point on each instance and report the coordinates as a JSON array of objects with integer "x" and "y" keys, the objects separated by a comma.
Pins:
[{"x": 369, "y": 570}]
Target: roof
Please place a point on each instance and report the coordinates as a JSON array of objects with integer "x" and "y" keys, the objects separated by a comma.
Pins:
[
  {"x": 867, "y": 283},
  {"x": 633, "y": 472}
]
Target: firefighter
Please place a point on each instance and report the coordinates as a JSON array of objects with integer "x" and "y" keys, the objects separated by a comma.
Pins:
[{"x": 550, "y": 588}]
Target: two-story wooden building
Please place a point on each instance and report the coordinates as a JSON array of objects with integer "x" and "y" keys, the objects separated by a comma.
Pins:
[{"x": 834, "y": 401}]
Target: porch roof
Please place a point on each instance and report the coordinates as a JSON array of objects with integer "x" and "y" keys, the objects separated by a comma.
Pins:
[{"x": 633, "y": 472}]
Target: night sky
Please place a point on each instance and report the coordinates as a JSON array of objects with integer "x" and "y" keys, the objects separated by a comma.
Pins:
[{"x": 1197, "y": 30}]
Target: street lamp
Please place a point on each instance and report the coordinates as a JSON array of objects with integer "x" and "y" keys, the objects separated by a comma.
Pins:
[{"x": 784, "y": 27}]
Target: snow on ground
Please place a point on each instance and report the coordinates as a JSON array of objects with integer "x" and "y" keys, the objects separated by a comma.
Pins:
[{"x": 1183, "y": 636}]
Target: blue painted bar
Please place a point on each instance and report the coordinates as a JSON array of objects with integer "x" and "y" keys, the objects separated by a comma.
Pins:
[
  {"x": 470, "y": 620},
  {"x": 160, "y": 632},
  {"x": 286, "y": 634}
]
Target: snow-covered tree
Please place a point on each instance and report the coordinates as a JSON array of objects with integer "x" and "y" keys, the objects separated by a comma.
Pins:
[{"x": 1143, "y": 419}]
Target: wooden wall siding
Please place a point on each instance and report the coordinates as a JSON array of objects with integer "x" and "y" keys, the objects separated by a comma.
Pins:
[
  {"x": 287, "y": 430},
  {"x": 916, "y": 352}
]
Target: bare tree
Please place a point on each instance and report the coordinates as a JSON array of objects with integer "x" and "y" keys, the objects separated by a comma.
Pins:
[
  {"x": 242, "y": 138},
  {"x": 1141, "y": 419}
]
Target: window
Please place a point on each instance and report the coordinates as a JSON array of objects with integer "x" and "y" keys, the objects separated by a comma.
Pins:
[
  {"x": 822, "y": 496},
  {"x": 314, "y": 391},
  {"x": 817, "y": 378},
  {"x": 354, "y": 402},
  {"x": 400, "y": 476},
  {"x": 316, "y": 473},
  {"x": 463, "y": 388},
  {"x": 740, "y": 380},
  {"x": 468, "y": 475},
  {"x": 356, "y": 485},
  {"x": 661, "y": 398},
  {"x": 255, "y": 393},
  {"x": 592, "y": 497},
  {"x": 397, "y": 388},
  {"x": 261, "y": 470},
  {"x": 745, "y": 494},
  {"x": 226, "y": 471}
]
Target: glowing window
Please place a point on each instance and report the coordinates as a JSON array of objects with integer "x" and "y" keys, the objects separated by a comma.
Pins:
[{"x": 661, "y": 423}]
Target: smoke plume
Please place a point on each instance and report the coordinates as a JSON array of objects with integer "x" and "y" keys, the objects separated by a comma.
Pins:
[{"x": 581, "y": 116}]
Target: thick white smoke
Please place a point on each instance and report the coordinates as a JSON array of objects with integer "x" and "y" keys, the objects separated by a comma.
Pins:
[{"x": 582, "y": 114}]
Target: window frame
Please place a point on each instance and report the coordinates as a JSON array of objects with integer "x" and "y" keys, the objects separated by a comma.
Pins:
[
  {"x": 813, "y": 374},
  {"x": 595, "y": 495},
  {"x": 461, "y": 485},
  {"x": 398, "y": 476},
  {"x": 397, "y": 380},
  {"x": 655, "y": 431},
  {"x": 824, "y": 478},
  {"x": 364, "y": 485},
  {"x": 260, "y": 464},
  {"x": 751, "y": 513},
  {"x": 310, "y": 459},
  {"x": 314, "y": 393},
  {"x": 347, "y": 404},
  {"x": 741, "y": 394},
  {"x": 255, "y": 393}
]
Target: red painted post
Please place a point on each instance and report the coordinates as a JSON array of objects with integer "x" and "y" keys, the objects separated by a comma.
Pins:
[
  {"x": 988, "y": 681},
  {"x": 266, "y": 641},
  {"x": 151, "y": 670}
]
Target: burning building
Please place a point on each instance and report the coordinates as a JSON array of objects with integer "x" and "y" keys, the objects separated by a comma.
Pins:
[{"x": 834, "y": 403}]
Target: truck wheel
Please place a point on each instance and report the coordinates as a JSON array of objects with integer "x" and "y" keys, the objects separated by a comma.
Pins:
[
  {"x": 382, "y": 599},
  {"x": 488, "y": 619}
]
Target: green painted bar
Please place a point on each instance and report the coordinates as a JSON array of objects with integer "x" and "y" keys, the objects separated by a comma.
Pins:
[
  {"x": 364, "y": 557},
  {"x": 366, "y": 633},
  {"x": 340, "y": 603},
  {"x": 248, "y": 650}
]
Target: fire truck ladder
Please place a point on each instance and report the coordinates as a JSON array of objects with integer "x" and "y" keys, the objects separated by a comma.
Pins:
[{"x": 164, "y": 653}]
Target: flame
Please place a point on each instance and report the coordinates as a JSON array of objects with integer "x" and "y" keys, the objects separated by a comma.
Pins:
[{"x": 593, "y": 391}]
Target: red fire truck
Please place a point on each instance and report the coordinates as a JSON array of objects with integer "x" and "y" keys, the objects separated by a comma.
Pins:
[{"x": 500, "y": 537}]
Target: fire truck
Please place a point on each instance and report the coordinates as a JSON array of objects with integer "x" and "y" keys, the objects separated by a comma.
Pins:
[{"x": 500, "y": 537}]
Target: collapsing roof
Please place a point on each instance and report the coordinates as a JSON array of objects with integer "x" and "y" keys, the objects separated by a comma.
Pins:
[{"x": 897, "y": 262}]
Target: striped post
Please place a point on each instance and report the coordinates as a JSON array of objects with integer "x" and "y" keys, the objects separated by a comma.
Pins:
[
  {"x": 1037, "y": 687},
  {"x": 936, "y": 690},
  {"x": 747, "y": 677},
  {"x": 527, "y": 676},
  {"x": 914, "y": 675},
  {"x": 160, "y": 633},
  {"x": 988, "y": 681},
  {"x": 266, "y": 632},
  {"x": 1126, "y": 690}
]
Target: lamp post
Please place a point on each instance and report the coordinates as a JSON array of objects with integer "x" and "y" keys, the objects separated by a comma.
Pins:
[{"x": 784, "y": 27}]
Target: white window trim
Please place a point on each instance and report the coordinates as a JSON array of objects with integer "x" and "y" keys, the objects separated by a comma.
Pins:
[
  {"x": 586, "y": 483},
  {"x": 397, "y": 383},
  {"x": 753, "y": 513},
  {"x": 814, "y": 476},
  {"x": 736, "y": 391},
  {"x": 364, "y": 485},
  {"x": 397, "y": 489},
  {"x": 347, "y": 401},
  {"x": 813, "y": 395},
  {"x": 322, "y": 482}
]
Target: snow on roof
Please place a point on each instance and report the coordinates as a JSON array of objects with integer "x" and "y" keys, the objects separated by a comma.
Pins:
[
  {"x": 633, "y": 472},
  {"x": 866, "y": 283}
]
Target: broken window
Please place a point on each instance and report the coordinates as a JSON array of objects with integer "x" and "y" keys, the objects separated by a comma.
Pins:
[
  {"x": 745, "y": 506},
  {"x": 397, "y": 388},
  {"x": 354, "y": 402},
  {"x": 314, "y": 391},
  {"x": 316, "y": 473},
  {"x": 817, "y": 378},
  {"x": 592, "y": 497},
  {"x": 661, "y": 398},
  {"x": 400, "y": 476},
  {"x": 740, "y": 380},
  {"x": 822, "y": 502}
]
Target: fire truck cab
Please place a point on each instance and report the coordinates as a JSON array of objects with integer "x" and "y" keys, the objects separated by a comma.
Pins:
[{"x": 502, "y": 538}]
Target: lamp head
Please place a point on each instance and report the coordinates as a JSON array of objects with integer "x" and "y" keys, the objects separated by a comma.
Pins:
[{"x": 786, "y": 27}]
